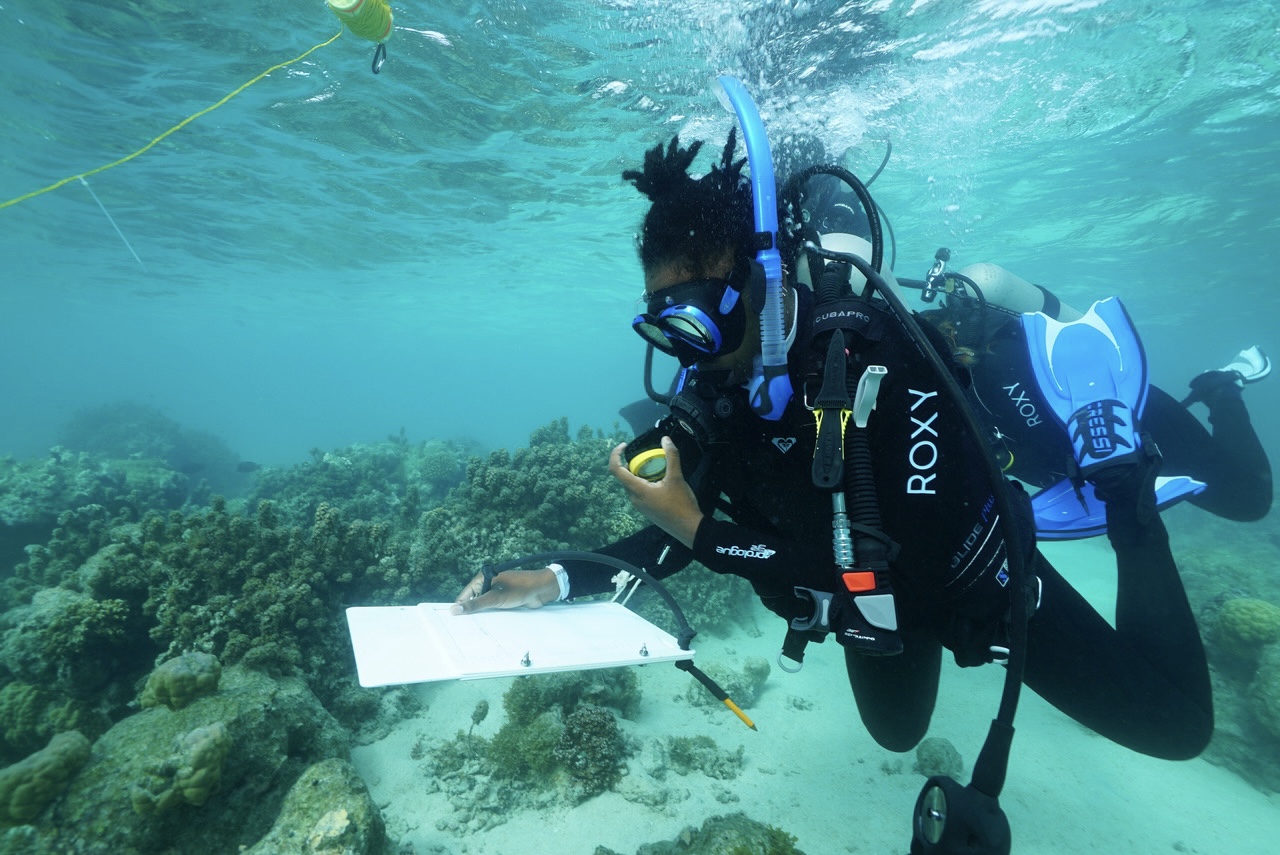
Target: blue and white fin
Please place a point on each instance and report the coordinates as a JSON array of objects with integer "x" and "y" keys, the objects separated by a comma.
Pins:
[
  {"x": 1093, "y": 373},
  {"x": 1063, "y": 513}
]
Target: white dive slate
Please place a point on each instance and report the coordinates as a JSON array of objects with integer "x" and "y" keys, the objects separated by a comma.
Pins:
[{"x": 424, "y": 643}]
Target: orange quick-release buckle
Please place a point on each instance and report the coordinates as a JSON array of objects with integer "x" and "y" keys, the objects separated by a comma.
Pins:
[{"x": 859, "y": 581}]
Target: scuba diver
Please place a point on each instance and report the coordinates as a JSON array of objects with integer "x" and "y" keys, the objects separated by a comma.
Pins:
[
  {"x": 819, "y": 443},
  {"x": 1226, "y": 472},
  {"x": 765, "y": 469}
]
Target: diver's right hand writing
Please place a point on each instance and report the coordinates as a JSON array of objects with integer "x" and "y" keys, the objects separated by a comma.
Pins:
[{"x": 511, "y": 589}]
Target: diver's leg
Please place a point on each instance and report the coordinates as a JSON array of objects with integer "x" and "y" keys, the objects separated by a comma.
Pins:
[
  {"x": 896, "y": 694},
  {"x": 1231, "y": 462},
  {"x": 1239, "y": 472},
  {"x": 1145, "y": 683}
]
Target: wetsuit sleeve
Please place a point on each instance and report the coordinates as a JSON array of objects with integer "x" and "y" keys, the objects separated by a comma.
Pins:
[
  {"x": 773, "y": 565},
  {"x": 651, "y": 549},
  {"x": 726, "y": 547}
]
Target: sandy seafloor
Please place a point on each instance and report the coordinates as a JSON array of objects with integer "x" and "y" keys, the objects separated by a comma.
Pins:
[{"x": 815, "y": 773}]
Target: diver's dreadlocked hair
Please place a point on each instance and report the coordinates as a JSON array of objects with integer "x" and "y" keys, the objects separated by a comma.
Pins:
[{"x": 692, "y": 221}]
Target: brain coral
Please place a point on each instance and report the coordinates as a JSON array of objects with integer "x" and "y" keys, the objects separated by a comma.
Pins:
[
  {"x": 1245, "y": 625},
  {"x": 181, "y": 680}
]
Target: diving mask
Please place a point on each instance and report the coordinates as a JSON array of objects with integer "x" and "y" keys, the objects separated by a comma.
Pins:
[{"x": 694, "y": 321}]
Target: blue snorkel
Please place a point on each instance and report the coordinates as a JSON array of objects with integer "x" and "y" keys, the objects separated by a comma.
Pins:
[{"x": 770, "y": 388}]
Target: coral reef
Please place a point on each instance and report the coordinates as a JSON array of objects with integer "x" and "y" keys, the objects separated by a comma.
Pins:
[
  {"x": 327, "y": 812},
  {"x": 543, "y": 731},
  {"x": 191, "y": 774},
  {"x": 743, "y": 687},
  {"x": 390, "y": 482},
  {"x": 70, "y": 645},
  {"x": 529, "y": 697},
  {"x": 1244, "y": 625},
  {"x": 209, "y": 777},
  {"x": 1265, "y": 691},
  {"x": 125, "y": 430},
  {"x": 247, "y": 590},
  {"x": 30, "y": 784},
  {"x": 591, "y": 750},
  {"x": 555, "y": 494},
  {"x": 711, "y": 602},
  {"x": 733, "y": 834},
  {"x": 181, "y": 680},
  {"x": 37, "y": 495},
  {"x": 125, "y": 579},
  {"x": 258, "y": 584},
  {"x": 687, "y": 754},
  {"x": 1229, "y": 572},
  {"x": 560, "y": 744}
]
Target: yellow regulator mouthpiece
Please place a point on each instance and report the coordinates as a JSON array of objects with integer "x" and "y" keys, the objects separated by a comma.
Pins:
[{"x": 368, "y": 19}]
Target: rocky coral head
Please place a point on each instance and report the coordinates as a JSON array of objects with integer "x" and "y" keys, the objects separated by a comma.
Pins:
[
  {"x": 191, "y": 774},
  {"x": 30, "y": 784},
  {"x": 592, "y": 749},
  {"x": 181, "y": 680}
]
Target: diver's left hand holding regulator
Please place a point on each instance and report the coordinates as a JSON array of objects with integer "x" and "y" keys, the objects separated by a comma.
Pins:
[
  {"x": 668, "y": 503},
  {"x": 511, "y": 589}
]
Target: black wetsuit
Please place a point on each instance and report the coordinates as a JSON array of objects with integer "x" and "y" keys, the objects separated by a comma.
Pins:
[
  {"x": 1230, "y": 461},
  {"x": 1144, "y": 686}
]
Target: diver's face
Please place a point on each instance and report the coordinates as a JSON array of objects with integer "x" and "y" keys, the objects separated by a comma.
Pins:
[{"x": 738, "y": 362}]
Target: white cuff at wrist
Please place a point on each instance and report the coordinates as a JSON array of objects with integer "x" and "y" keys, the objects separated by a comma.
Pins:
[{"x": 562, "y": 579}]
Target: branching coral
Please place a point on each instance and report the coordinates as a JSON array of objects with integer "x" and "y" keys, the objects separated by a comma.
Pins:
[
  {"x": 391, "y": 481},
  {"x": 555, "y": 494},
  {"x": 244, "y": 589},
  {"x": 264, "y": 583},
  {"x": 266, "y": 595},
  {"x": 68, "y": 642}
]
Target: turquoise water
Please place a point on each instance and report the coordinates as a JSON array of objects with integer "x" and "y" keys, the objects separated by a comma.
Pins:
[{"x": 447, "y": 246}]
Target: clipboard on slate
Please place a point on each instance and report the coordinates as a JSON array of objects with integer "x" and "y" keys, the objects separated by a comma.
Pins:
[{"x": 425, "y": 643}]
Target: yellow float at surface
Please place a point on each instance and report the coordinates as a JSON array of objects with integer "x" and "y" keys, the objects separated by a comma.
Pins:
[{"x": 368, "y": 19}]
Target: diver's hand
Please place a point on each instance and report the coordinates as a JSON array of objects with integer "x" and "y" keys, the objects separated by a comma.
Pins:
[
  {"x": 511, "y": 589},
  {"x": 669, "y": 504}
]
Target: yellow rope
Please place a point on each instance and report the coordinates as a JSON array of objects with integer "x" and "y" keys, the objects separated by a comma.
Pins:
[{"x": 175, "y": 128}]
